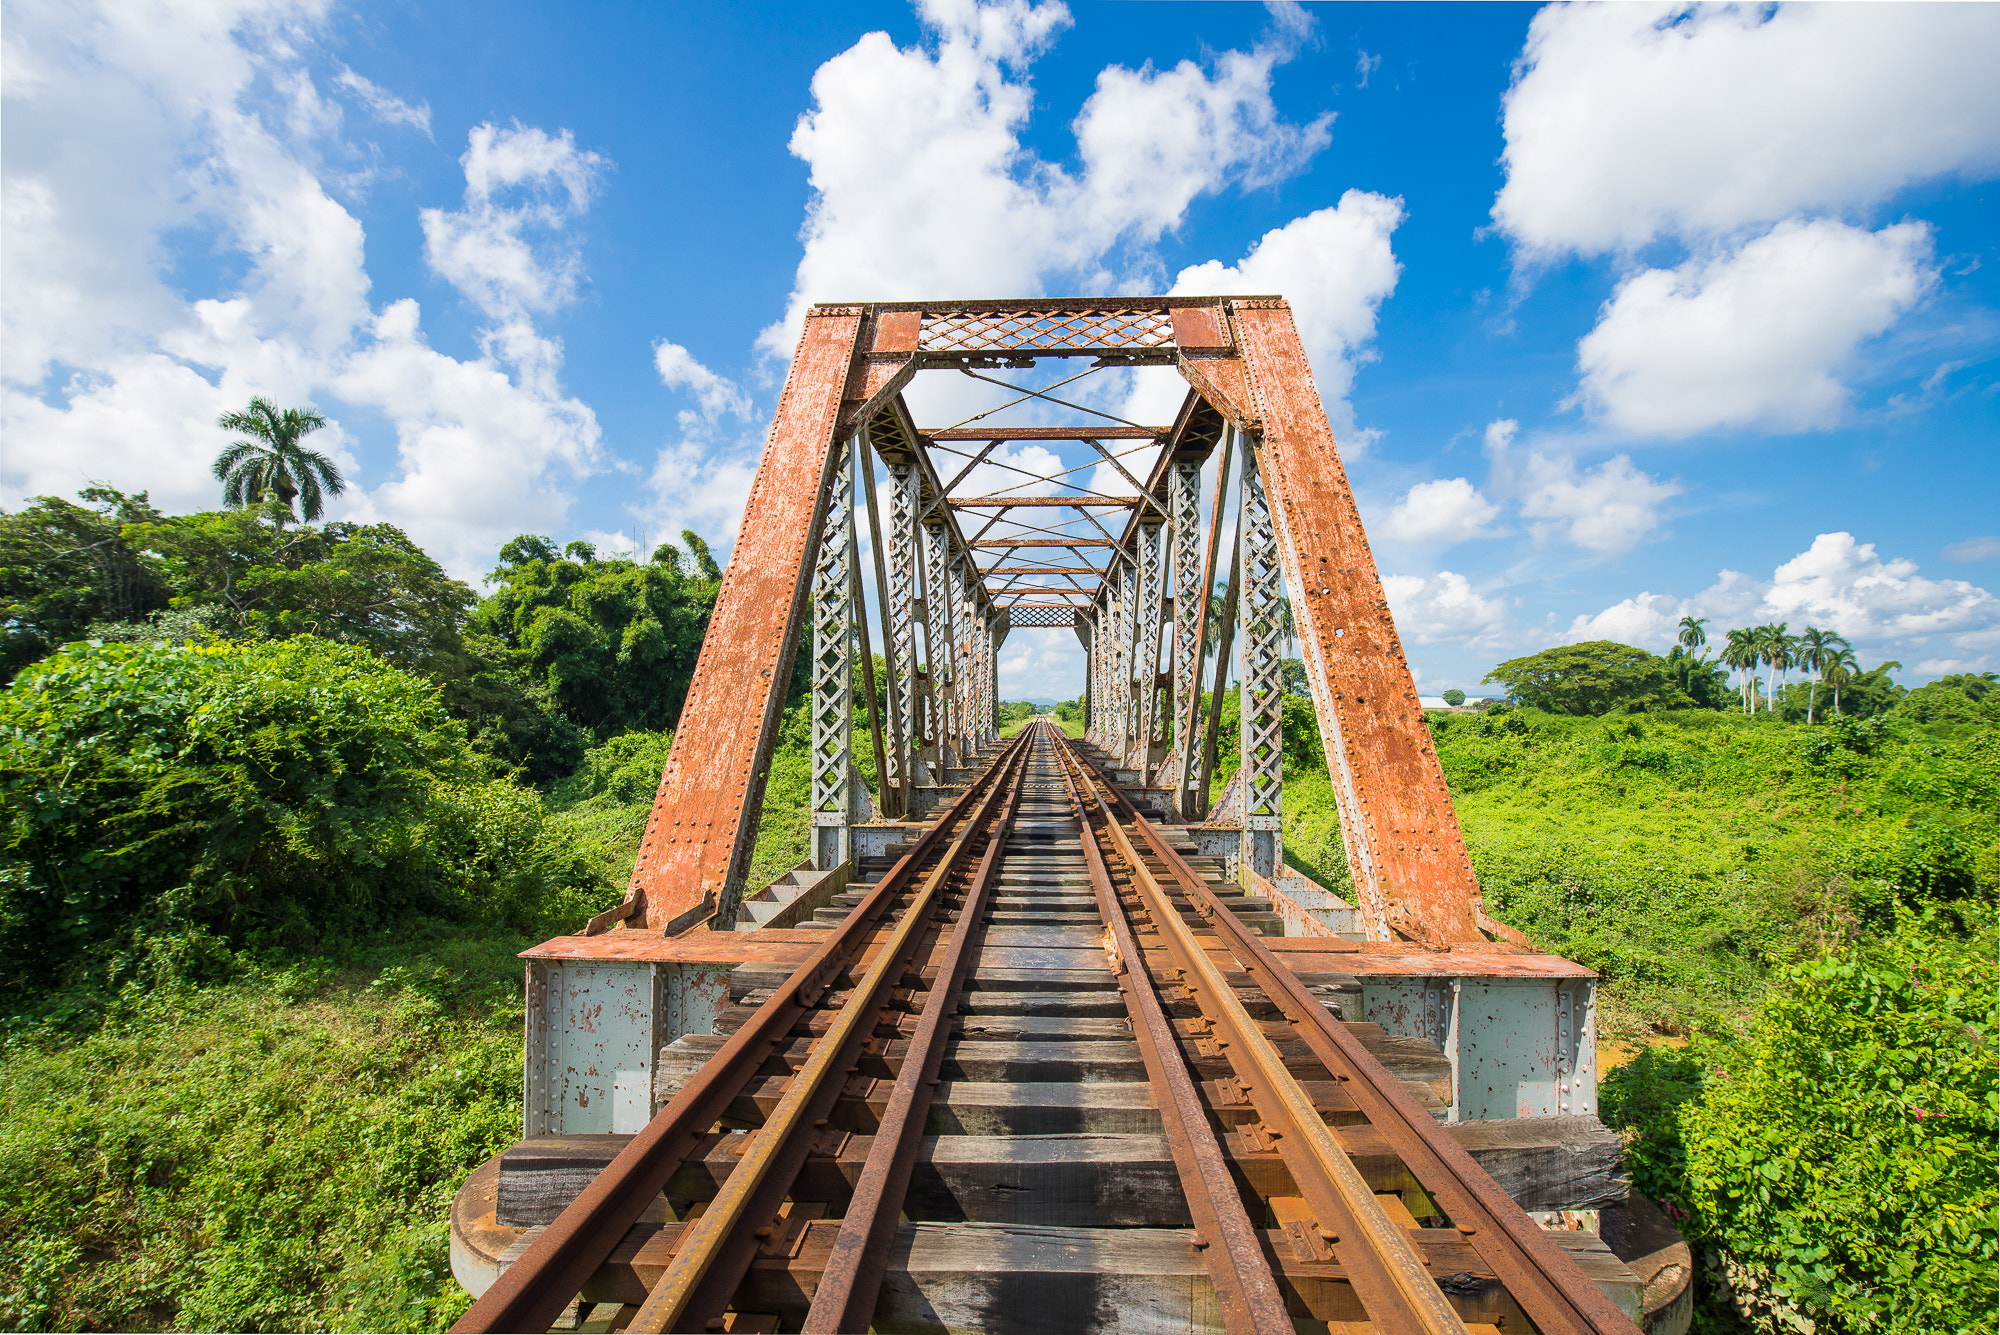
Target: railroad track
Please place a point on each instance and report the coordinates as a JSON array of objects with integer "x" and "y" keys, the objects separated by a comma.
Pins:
[{"x": 1046, "y": 974}]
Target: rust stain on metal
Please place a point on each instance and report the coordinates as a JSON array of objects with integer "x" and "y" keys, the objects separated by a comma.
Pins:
[
  {"x": 1410, "y": 860},
  {"x": 1200, "y": 327},
  {"x": 704, "y": 819}
]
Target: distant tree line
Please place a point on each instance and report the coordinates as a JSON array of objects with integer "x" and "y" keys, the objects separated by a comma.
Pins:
[
  {"x": 1606, "y": 677},
  {"x": 567, "y": 650}
]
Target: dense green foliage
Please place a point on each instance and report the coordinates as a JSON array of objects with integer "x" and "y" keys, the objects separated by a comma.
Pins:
[
  {"x": 613, "y": 643},
  {"x": 1843, "y": 1156},
  {"x": 1683, "y": 854},
  {"x": 1838, "y": 1163},
  {"x": 160, "y": 804}
]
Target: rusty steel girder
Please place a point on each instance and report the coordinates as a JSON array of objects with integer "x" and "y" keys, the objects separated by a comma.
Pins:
[{"x": 1244, "y": 361}]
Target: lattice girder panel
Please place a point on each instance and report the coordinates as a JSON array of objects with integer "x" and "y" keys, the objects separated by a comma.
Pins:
[
  {"x": 903, "y": 554},
  {"x": 1048, "y": 332},
  {"x": 1033, "y": 616},
  {"x": 937, "y": 629},
  {"x": 833, "y": 671},
  {"x": 1190, "y": 598},
  {"x": 1151, "y": 581},
  {"x": 1261, "y": 644}
]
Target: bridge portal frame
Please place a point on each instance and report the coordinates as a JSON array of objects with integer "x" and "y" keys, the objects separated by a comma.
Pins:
[{"x": 1251, "y": 393}]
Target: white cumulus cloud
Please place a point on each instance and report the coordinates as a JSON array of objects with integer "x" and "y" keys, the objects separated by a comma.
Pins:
[
  {"x": 921, "y": 186},
  {"x": 1628, "y": 122},
  {"x": 1886, "y": 608},
  {"x": 1445, "y": 510},
  {"x": 1445, "y": 609},
  {"x": 1754, "y": 137},
  {"x": 1606, "y": 508},
  {"x": 1755, "y": 338}
]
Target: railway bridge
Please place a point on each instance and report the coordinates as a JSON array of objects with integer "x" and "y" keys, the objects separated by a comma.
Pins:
[{"x": 1045, "y": 1034}]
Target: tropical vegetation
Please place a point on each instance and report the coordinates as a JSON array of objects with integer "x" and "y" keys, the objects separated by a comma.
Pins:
[
  {"x": 282, "y": 798},
  {"x": 268, "y": 460}
]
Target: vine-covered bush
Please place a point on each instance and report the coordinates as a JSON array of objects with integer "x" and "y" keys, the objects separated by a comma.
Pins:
[
  {"x": 1843, "y": 1157},
  {"x": 161, "y": 805}
]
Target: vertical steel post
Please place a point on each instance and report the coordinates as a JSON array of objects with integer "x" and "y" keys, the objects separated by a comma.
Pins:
[
  {"x": 1262, "y": 739},
  {"x": 1148, "y": 614},
  {"x": 833, "y": 671},
  {"x": 971, "y": 617},
  {"x": 937, "y": 634},
  {"x": 1190, "y": 601},
  {"x": 1128, "y": 635},
  {"x": 892, "y": 593}
]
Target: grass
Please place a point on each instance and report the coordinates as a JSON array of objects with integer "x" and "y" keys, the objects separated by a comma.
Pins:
[
  {"x": 275, "y": 1153},
  {"x": 1685, "y": 855}
]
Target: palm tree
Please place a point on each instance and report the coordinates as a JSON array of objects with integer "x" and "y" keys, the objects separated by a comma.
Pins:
[
  {"x": 1692, "y": 636},
  {"x": 1839, "y": 667},
  {"x": 1816, "y": 649},
  {"x": 269, "y": 458},
  {"x": 1774, "y": 650},
  {"x": 1739, "y": 651}
]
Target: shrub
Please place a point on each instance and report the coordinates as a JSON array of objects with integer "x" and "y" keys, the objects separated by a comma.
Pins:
[
  {"x": 1844, "y": 1156},
  {"x": 162, "y": 803}
]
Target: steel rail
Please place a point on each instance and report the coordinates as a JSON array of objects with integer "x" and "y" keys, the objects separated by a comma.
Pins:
[
  {"x": 696, "y": 1285},
  {"x": 1247, "y": 1295},
  {"x": 852, "y": 1275},
  {"x": 531, "y": 1293},
  {"x": 1388, "y": 1275},
  {"x": 1547, "y": 1283}
]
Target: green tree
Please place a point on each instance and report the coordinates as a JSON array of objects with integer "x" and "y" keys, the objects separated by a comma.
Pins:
[
  {"x": 1292, "y": 675},
  {"x": 613, "y": 643},
  {"x": 267, "y": 457},
  {"x": 1960, "y": 698},
  {"x": 706, "y": 571},
  {"x": 1692, "y": 633},
  {"x": 1705, "y": 683},
  {"x": 1840, "y": 668},
  {"x": 1597, "y": 677},
  {"x": 1454, "y": 697},
  {"x": 64, "y": 567}
]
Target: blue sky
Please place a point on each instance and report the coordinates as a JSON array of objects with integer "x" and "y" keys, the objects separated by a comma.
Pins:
[{"x": 1621, "y": 313}]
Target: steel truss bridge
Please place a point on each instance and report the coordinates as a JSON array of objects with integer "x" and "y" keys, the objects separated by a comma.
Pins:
[{"x": 1039, "y": 1037}]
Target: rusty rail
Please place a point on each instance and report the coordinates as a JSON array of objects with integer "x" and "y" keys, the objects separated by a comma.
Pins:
[
  {"x": 845, "y": 1299},
  {"x": 1385, "y": 1269},
  {"x": 1550, "y": 1287},
  {"x": 1246, "y": 1292},
  {"x": 537, "y": 1288}
]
